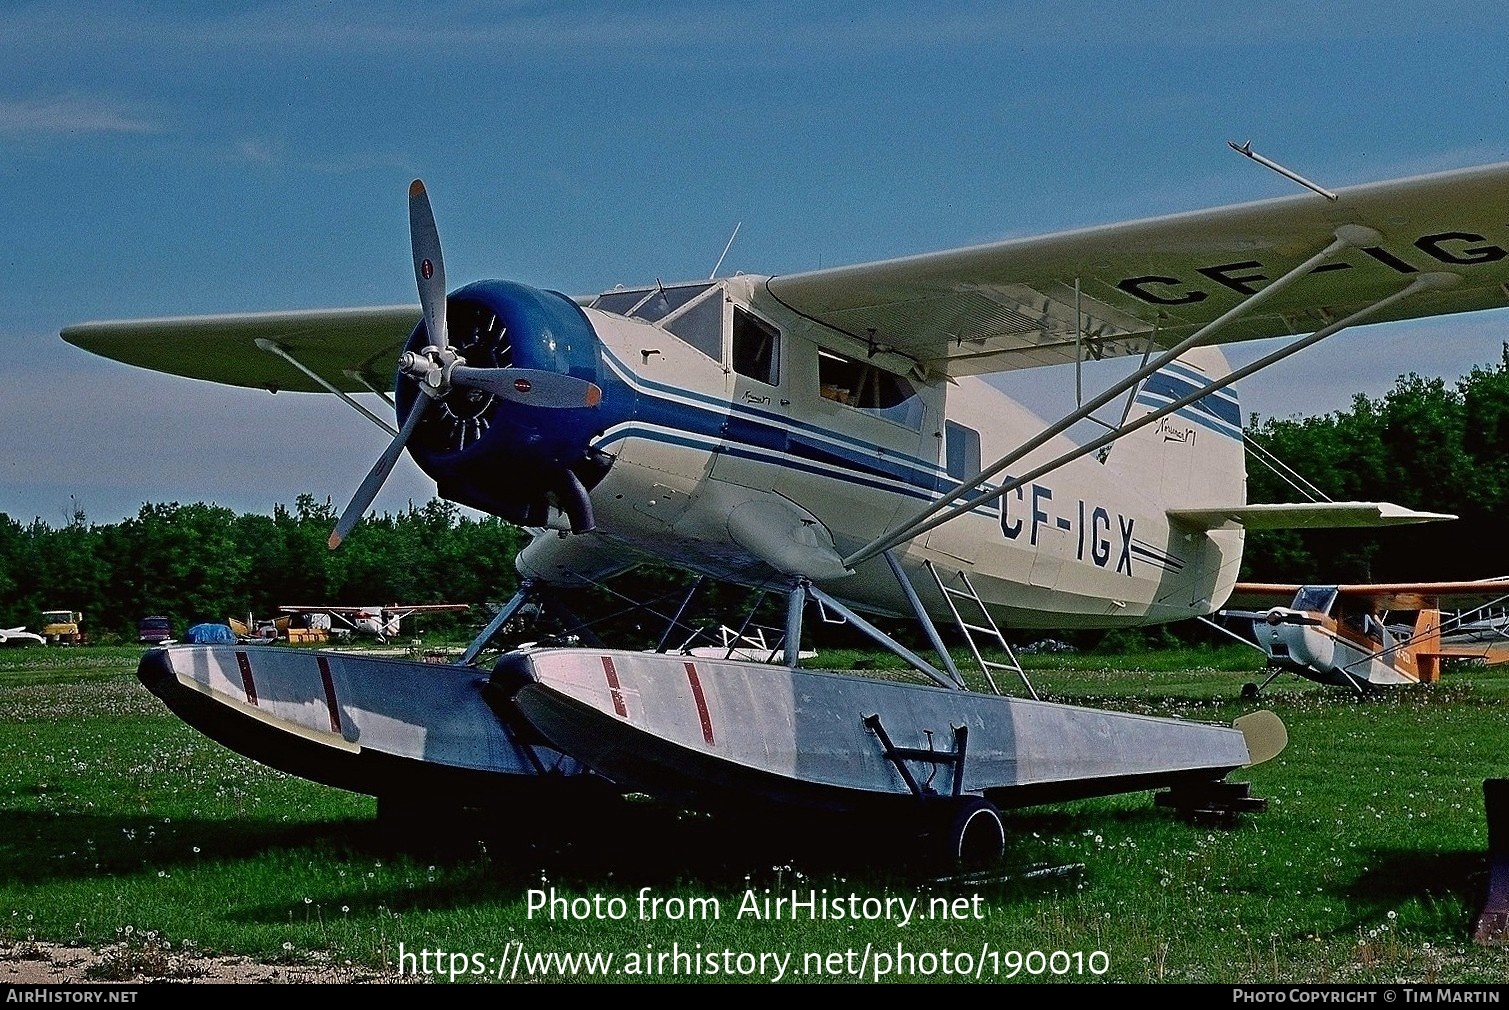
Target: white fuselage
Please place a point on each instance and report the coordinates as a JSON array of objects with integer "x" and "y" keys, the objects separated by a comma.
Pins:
[{"x": 715, "y": 461}]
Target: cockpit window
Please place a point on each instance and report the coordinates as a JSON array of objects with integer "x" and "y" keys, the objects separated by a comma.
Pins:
[
  {"x": 701, "y": 326},
  {"x": 648, "y": 304},
  {"x": 687, "y": 309},
  {"x": 1316, "y": 599},
  {"x": 757, "y": 348},
  {"x": 619, "y": 302},
  {"x": 663, "y": 301},
  {"x": 864, "y": 386}
]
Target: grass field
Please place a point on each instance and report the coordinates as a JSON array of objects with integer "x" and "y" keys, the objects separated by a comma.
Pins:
[{"x": 124, "y": 828}]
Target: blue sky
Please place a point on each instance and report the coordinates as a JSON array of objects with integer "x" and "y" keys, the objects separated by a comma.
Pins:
[{"x": 181, "y": 158}]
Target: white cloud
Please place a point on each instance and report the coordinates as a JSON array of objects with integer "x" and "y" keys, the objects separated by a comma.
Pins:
[
  {"x": 69, "y": 114},
  {"x": 259, "y": 151}
]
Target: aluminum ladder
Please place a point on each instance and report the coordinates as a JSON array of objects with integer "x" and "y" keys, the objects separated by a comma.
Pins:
[{"x": 987, "y": 628}]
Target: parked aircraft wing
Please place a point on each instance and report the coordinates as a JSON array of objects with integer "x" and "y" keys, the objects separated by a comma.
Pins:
[
  {"x": 1383, "y": 595},
  {"x": 1014, "y": 304}
]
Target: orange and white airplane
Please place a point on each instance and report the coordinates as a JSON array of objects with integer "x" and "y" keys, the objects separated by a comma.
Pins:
[{"x": 1347, "y": 635}]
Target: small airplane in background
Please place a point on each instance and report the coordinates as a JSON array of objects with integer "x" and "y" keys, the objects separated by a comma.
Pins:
[
  {"x": 381, "y": 622},
  {"x": 1345, "y": 635},
  {"x": 20, "y": 636}
]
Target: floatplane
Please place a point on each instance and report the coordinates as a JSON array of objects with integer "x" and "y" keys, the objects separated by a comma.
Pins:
[{"x": 829, "y": 434}]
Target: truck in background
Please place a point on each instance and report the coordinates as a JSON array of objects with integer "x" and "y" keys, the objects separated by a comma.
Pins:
[
  {"x": 62, "y": 627},
  {"x": 154, "y": 630}
]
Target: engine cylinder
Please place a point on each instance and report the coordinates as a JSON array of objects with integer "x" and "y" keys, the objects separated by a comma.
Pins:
[{"x": 499, "y": 455}]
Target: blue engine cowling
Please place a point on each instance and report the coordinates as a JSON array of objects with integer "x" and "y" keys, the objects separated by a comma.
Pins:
[{"x": 515, "y": 459}]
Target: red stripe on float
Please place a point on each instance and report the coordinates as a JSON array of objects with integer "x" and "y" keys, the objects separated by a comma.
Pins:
[
  {"x": 615, "y": 688},
  {"x": 701, "y": 699},
  {"x": 330, "y": 705},
  {"x": 247, "y": 684}
]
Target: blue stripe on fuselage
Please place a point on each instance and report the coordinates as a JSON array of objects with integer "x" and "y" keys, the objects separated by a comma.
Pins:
[{"x": 679, "y": 416}]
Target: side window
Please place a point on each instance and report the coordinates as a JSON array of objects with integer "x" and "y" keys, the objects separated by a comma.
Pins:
[
  {"x": 757, "y": 348},
  {"x": 863, "y": 386},
  {"x": 962, "y": 446}
]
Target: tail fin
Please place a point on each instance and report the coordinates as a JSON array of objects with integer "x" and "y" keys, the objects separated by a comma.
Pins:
[
  {"x": 1426, "y": 645},
  {"x": 1193, "y": 456}
]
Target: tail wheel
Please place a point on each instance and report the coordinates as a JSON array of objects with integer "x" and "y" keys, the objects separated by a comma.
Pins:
[{"x": 976, "y": 837}]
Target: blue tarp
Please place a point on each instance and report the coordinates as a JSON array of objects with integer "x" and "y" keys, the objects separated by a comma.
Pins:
[{"x": 210, "y": 634}]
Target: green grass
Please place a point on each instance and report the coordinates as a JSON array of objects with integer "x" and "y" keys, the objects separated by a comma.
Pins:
[{"x": 124, "y": 827}]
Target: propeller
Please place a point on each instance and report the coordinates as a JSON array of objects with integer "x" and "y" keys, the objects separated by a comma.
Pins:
[
  {"x": 437, "y": 368},
  {"x": 376, "y": 477},
  {"x": 1283, "y": 615}
]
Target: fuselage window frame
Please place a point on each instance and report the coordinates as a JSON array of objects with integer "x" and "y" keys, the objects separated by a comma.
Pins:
[
  {"x": 756, "y": 351},
  {"x": 961, "y": 451}
]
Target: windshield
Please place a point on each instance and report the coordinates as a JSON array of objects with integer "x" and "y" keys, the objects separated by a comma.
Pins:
[{"x": 1316, "y": 599}]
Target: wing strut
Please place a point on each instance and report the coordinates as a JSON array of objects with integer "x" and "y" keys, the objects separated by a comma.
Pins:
[
  {"x": 919, "y": 664},
  {"x": 356, "y": 376},
  {"x": 944, "y": 509},
  {"x": 272, "y": 347},
  {"x": 1079, "y": 353},
  {"x": 923, "y": 618}
]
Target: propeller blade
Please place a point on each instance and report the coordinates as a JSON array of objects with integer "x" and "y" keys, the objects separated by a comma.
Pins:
[
  {"x": 530, "y": 385},
  {"x": 362, "y": 500},
  {"x": 429, "y": 268},
  {"x": 1281, "y": 615}
]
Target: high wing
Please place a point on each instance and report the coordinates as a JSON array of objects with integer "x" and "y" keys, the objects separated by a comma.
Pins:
[
  {"x": 399, "y": 611},
  {"x": 1014, "y": 304},
  {"x": 353, "y": 349},
  {"x": 1383, "y": 595},
  {"x": 1001, "y": 306}
]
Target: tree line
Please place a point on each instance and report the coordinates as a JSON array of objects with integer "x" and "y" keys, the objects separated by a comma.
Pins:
[
  {"x": 203, "y": 562},
  {"x": 1426, "y": 444}
]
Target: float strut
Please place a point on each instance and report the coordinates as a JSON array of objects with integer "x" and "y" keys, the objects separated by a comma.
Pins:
[{"x": 526, "y": 590}]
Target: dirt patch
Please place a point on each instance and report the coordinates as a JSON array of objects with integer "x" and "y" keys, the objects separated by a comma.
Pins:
[{"x": 31, "y": 963}]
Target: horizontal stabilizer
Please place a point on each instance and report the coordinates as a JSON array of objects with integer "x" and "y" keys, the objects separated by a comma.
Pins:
[{"x": 1303, "y": 516}]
